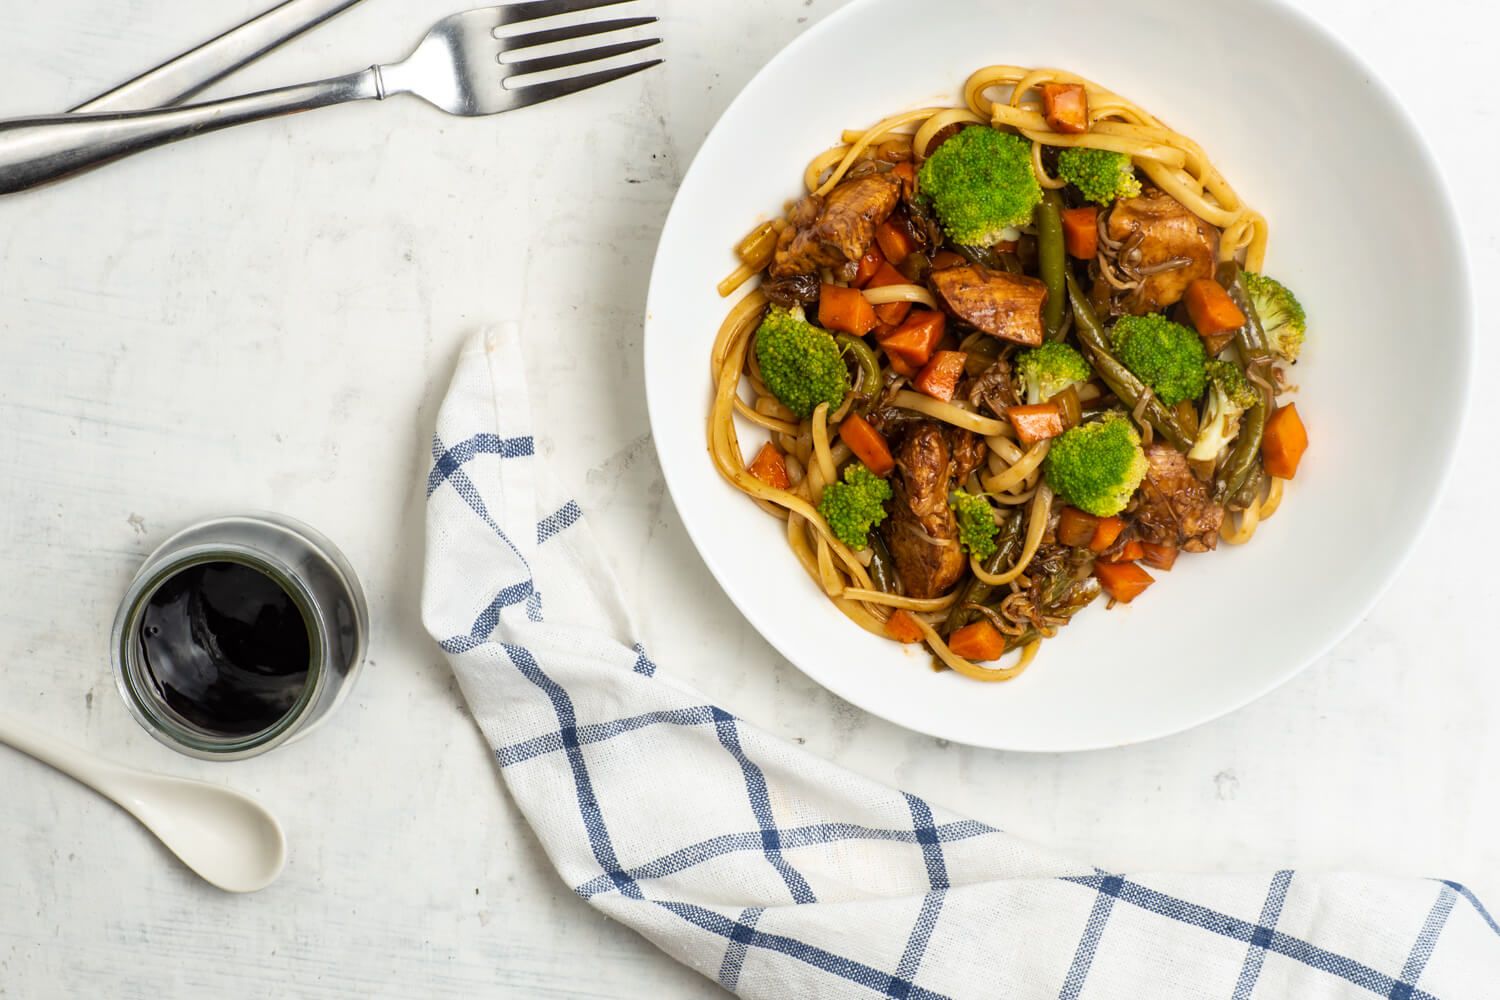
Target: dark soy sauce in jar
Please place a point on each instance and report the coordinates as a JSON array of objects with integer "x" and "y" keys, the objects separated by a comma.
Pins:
[{"x": 226, "y": 648}]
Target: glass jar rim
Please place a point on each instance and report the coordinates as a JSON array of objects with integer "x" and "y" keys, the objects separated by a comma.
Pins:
[{"x": 149, "y": 709}]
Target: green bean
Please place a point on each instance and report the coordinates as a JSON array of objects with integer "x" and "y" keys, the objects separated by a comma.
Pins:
[
  {"x": 1052, "y": 261},
  {"x": 882, "y": 572},
  {"x": 976, "y": 591},
  {"x": 869, "y": 365},
  {"x": 1247, "y": 493},
  {"x": 1121, "y": 380},
  {"x": 1245, "y": 456},
  {"x": 1017, "y": 641},
  {"x": 1251, "y": 338},
  {"x": 983, "y": 256}
]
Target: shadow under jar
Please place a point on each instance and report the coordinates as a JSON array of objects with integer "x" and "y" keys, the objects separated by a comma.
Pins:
[{"x": 238, "y": 635}]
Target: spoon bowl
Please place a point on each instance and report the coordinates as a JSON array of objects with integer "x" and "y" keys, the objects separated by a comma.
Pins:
[{"x": 227, "y": 838}]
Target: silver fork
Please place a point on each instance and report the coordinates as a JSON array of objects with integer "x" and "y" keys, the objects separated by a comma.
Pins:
[{"x": 457, "y": 67}]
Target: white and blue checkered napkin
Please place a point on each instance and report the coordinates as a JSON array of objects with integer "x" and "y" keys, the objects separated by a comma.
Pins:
[{"x": 780, "y": 875}]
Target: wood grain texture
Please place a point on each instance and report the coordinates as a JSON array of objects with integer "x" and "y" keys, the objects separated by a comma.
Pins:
[{"x": 266, "y": 318}]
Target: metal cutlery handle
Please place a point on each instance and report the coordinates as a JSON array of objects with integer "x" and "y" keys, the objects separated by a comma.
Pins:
[
  {"x": 35, "y": 151},
  {"x": 182, "y": 77}
]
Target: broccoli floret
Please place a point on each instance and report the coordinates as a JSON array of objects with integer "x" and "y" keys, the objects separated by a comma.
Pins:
[
  {"x": 1280, "y": 313},
  {"x": 976, "y": 523},
  {"x": 1050, "y": 369},
  {"x": 1101, "y": 174},
  {"x": 855, "y": 505},
  {"x": 1096, "y": 467},
  {"x": 800, "y": 364},
  {"x": 981, "y": 183},
  {"x": 1167, "y": 356},
  {"x": 1229, "y": 395}
]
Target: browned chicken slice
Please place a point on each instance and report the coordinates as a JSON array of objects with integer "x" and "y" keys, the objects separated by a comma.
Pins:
[
  {"x": 1172, "y": 507},
  {"x": 1162, "y": 230},
  {"x": 968, "y": 452},
  {"x": 921, "y": 532},
  {"x": 828, "y": 232},
  {"x": 1008, "y": 306}
]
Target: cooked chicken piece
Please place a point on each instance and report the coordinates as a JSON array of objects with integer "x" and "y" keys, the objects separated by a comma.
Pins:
[
  {"x": 993, "y": 389},
  {"x": 1172, "y": 507},
  {"x": 921, "y": 532},
  {"x": 968, "y": 452},
  {"x": 827, "y": 232},
  {"x": 1160, "y": 229},
  {"x": 1008, "y": 306}
]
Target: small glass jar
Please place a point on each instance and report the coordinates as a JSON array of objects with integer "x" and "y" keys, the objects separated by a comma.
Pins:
[{"x": 308, "y": 568}]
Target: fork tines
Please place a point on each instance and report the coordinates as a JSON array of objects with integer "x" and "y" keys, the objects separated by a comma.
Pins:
[
  {"x": 537, "y": 9},
  {"x": 515, "y": 13}
]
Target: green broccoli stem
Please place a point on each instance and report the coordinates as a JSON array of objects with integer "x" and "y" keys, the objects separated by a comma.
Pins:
[
  {"x": 1121, "y": 380},
  {"x": 1053, "y": 261},
  {"x": 1244, "y": 458},
  {"x": 1251, "y": 338},
  {"x": 976, "y": 591},
  {"x": 869, "y": 366}
]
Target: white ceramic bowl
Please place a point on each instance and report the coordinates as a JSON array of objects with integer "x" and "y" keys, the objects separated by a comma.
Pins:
[{"x": 1306, "y": 135}]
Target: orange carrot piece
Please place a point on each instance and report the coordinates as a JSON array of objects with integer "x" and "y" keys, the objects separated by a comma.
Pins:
[
  {"x": 916, "y": 339},
  {"x": 1104, "y": 536},
  {"x": 1122, "y": 581},
  {"x": 868, "y": 265},
  {"x": 1081, "y": 231},
  {"x": 1035, "y": 423},
  {"x": 900, "y": 366},
  {"x": 1066, "y": 107},
  {"x": 1285, "y": 442},
  {"x": 895, "y": 242},
  {"x": 885, "y": 274},
  {"x": 939, "y": 377},
  {"x": 1159, "y": 556},
  {"x": 868, "y": 444},
  {"x": 906, "y": 173},
  {"x": 979, "y": 641},
  {"x": 891, "y": 312},
  {"x": 902, "y": 627},
  {"x": 770, "y": 467},
  {"x": 845, "y": 310},
  {"x": 1076, "y": 528},
  {"x": 1211, "y": 309},
  {"x": 947, "y": 258},
  {"x": 1131, "y": 551}
]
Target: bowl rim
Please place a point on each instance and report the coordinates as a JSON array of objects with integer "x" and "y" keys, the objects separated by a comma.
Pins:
[{"x": 1466, "y": 343}]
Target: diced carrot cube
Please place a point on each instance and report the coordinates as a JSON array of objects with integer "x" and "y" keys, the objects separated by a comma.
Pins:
[
  {"x": 845, "y": 310},
  {"x": 978, "y": 641},
  {"x": 1035, "y": 423},
  {"x": 1081, "y": 231},
  {"x": 1066, "y": 107},
  {"x": 1123, "y": 581},
  {"x": 1211, "y": 309},
  {"x": 903, "y": 627},
  {"x": 939, "y": 377},
  {"x": 770, "y": 467}
]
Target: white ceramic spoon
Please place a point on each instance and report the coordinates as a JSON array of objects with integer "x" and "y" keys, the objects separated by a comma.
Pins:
[{"x": 227, "y": 838}]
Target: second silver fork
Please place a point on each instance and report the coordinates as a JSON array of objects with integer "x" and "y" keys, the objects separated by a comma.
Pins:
[{"x": 457, "y": 67}]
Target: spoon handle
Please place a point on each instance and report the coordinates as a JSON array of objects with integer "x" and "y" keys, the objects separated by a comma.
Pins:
[{"x": 78, "y": 764}]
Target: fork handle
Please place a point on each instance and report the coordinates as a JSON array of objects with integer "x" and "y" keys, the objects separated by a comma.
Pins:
[{"x": 35, "y": 151}]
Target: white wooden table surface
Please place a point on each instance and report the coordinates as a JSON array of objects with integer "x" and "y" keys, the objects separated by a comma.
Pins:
[{"x": 265, "y": 319}]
